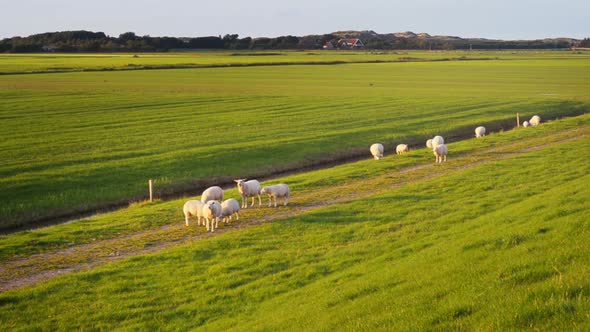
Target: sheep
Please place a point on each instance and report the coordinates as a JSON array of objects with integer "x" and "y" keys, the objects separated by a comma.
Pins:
[
  {"x": 526, "y": 124},
  {"x": 229, "y": 208},
  {"x": 377, "y": 151},
  {"x": 429, "y": 143},
  {"x": 437, "y": 140},
  {"x": 401, "y": 148},
  {"x": 212, "y": 193},
  {"x": 440, "y": 152},
  {"x": 535, "y": 120},
  {"x": 247, "y": 189},
  {"x": 480, "y": 131},
  {"x": 276, "y": 191},
  {"x": 211, "y": 213},
  {"x": 193, "y": 209}
]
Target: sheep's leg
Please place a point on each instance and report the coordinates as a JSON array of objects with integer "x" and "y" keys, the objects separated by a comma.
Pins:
[
  {"x": 275, "y": 201},
  {"x": 186, "y": 219},
  {"x": 286, "y": 200},
  {"x": 244, "y": 202},
  {"x": 216, "y": 222},
  {"x": 207, "y": 223},
  {"x": 259, "y": 201},
  {"x": 445, "y": 158},
  {"x": 237, "y": 216}
]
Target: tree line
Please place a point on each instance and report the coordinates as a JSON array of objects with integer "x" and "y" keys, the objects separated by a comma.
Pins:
[{"x": 87, "y": 41}]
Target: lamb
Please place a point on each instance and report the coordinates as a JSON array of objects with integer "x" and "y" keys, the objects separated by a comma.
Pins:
[
  {"x": 248, "y": 189},
  {"x": 401, "y": 148},
  {"x": 480, "y": 131},
  {"x": 437, "y": 140},
  {"x": 212, "y": 193},
  {"x": 535, "y": 120},
  {"x": 377, "y": 150},
  {"x": 193, "y": 209},
  {"x": 526, "y": 124},
  {"x": 229, "y": 208},
  {"x": 276, "y": 191},
  {"x": 429, "y": 143},
  {"x": 440, "y": 152},
  {"x": 212, "y": 213}
]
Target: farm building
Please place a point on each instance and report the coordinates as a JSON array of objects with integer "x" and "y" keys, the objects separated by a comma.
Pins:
[{"x": 350, "y": 43}]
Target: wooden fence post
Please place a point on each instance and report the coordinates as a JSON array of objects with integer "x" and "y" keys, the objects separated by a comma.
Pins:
[
  {"x": 151, "y": 184},
  {"x": 517, "y": 119}
]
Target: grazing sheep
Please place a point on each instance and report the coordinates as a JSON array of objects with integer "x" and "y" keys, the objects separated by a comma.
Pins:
[
  {"x": 429, "y": 143},
  {"x": 401, "y": 148},
  {"x": 535, "y": 120},
  {"x": 437, "y": 140},
  {"x": 193, "y": 209},
  {"x": 440, "y": 152},
  {"x": 248, "y": 189},
  {"x": 276, "y": 191},
  {"x": 211, "y": 213},
  {"x": 229, "y": 208},
  {"x": 212, "y": 193},
  {"x": 526, "y": 124},
  {"x": 377, "y": 150},
  {"x": 480, "y": 131}
]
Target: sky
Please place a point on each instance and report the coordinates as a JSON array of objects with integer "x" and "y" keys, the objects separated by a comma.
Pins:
[{"x": 495, "y": 19}]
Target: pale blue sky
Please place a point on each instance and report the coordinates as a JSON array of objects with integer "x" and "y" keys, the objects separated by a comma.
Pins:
[{"x": 503, "y": 19}]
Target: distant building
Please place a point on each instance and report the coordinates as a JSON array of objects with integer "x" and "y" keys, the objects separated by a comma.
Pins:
[
  {"x": 329, "y": 46},
  {"x": 350, "y": 43},
  {"x": 46, "y": 48}
]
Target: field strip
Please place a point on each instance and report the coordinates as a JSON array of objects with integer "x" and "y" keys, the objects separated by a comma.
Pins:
[
  {"x": 33, "y": 269},
  {"x": 233, "y": 65}
]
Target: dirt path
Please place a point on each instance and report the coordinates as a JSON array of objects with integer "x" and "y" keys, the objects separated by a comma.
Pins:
[{"x": 37, "y": 268}]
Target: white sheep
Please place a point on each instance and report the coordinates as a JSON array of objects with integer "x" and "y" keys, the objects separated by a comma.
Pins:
[
  {"x": 437, "y": 140},
  {"x": 193, "y": 209},
  {"x": 247, "y": 189},
  {"x": 212, "y": 213},
  {"x": 535, "y": 120},
  {"x": 440, "y": 152},
  {"x": 229, "y": 208},
  {"x": 212, "y": 193},
  {"x": 480, "y": 131},
  {"x": 401, "y": 148},
  {"x": 377, "y": 150},
  {"x": 276, "y": 191},
  {"x": 429, "y": 143},
  {"x": 526, "y": 124}
]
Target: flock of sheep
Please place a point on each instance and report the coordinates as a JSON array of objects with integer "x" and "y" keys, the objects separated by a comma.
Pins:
[
  {"x": 437, "y": 143},
  {"x": 212, "y": 207}
]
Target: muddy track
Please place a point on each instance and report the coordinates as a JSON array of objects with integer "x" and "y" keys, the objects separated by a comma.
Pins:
[{"x": 37, "y": 268}]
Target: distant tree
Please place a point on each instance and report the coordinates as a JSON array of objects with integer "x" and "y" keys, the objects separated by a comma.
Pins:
[
  {"x": 127, "y": 36},
  {"x": 585, "y": 42}
]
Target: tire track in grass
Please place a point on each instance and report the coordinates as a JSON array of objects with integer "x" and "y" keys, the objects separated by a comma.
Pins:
[{"x": 38, "y": 268}]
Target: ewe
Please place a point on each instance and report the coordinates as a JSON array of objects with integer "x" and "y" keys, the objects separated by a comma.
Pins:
[
  {"x": 437, "y": 140},
  {"x": 440, "y": 152},
  {"x": 401, "y": 148},
  {"x": 229, "y": 208},
  {"x": 535, "y": 120},
  {"x": 276, "y": 191},
  {"x": 212, "y": 193},
  {"x": 248, "y": 189},
  {"x": 377, "y": 151},
  {"x": 429, "y": 143},
  {"x": 526, "y": 124},
  {"x": 480, "y": 131},
  {"x": 193, "y": 209},
  {"x": 212, "y": 213}
]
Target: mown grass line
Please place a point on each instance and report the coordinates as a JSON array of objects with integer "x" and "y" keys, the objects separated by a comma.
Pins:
[
  {"x": 230, "y": 65},
  {"x": 479, "y": 248},
  {"x": 31, "y": 269}
]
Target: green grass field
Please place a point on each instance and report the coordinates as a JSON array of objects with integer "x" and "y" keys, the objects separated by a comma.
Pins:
[
  {"x": 75, "y": 142},
  {"x": 494, "y": 239}
]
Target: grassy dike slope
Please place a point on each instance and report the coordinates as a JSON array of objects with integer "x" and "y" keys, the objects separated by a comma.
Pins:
[{"x": 499, "y": 243}]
